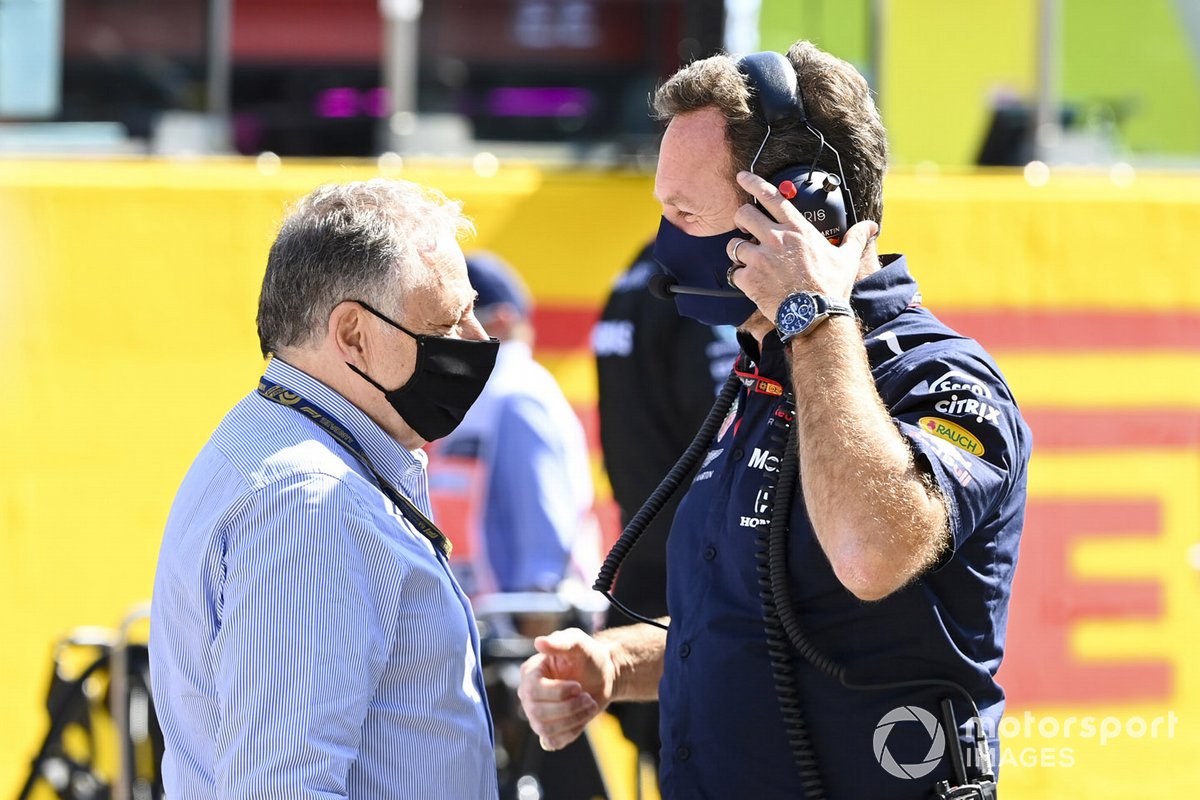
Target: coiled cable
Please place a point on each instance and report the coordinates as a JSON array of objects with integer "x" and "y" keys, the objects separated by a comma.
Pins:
[{"x": 659, "y": 497}]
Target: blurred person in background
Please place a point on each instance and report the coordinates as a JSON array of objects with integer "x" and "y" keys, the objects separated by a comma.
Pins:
[
  {"x": 514, "y": 480},
  {"x": 308, "y": 638},
  {"x": 905, "y": 453},
  {"x": 658, "y": 374}
]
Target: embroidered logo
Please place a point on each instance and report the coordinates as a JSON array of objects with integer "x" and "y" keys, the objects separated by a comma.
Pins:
[
  {"x": 959, "y": 437},
  {"x": 729, "y": 418}
]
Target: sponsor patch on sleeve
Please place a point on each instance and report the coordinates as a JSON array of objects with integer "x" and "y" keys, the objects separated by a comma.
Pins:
[
  {"x": 952, "y": 459},
  {"x": 968, "y": 398},
  {"x": 954, "y": 434}
]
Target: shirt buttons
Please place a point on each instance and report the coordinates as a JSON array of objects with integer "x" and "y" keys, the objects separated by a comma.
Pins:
[
  {"x": 710, "y": 553},
  {"x": 682, "y": 753},
  {"x": 737, "y": 454},
  {"x": 685, "y": 650}
]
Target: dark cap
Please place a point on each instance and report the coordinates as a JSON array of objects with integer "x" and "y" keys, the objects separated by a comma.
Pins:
[{"x": 496, "y": 282}]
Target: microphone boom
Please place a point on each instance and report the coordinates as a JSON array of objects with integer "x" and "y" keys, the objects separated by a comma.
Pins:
[{"x": 663, "y": 286}]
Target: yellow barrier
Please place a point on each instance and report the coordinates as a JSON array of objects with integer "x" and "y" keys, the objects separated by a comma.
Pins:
[{"x": 127, "y": 297}]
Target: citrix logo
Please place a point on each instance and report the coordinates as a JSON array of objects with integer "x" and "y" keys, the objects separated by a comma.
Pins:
[{"x": 937, "y": 744}]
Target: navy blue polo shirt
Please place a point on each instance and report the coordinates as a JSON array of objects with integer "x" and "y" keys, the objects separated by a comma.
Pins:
[{"x": 722, "y": 730}]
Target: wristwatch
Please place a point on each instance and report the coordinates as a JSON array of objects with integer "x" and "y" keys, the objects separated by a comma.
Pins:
[{"x": 801, "y": 312}]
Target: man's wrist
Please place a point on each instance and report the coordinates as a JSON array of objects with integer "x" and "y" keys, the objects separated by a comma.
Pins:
[
  {"x": 634, "y": 654},
  {"x": 818, "y": 339},
  {"x": 801, "y": 313}
]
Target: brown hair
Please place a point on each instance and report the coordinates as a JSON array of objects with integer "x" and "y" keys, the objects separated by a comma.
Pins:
[{"x": 839, "y": 105}]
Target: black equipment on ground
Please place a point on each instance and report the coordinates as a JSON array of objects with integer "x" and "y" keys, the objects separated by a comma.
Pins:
[
  {"x": 100, "y": 693},
  {"x": 100, "y": 683},
  {"x": 507, "y": 624}
]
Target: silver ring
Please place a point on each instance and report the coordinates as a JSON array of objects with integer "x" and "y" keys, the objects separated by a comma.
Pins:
[
  {"x": 734, "y": 256},
  {"x": 734, "y": 267}
]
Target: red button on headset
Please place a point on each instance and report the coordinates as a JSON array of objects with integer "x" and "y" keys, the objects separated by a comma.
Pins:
[{"x": 787, "y": 189}]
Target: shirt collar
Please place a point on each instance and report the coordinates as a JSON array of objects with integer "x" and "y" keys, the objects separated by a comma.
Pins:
[
  {"x": 876, "y": 299},
  {"x": 513, "y": 350},
  {"x": 883, "y": 295},
  {"x": 398, "y": 465}
]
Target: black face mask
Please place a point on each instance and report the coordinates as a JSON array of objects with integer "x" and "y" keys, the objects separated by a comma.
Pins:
[{"x": 448, "y": 377}]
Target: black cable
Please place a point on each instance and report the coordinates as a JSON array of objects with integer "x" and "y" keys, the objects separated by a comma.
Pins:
[
  {"x": 782, "y": 595},
  {"x": 779, "y": 601},
  {"x": 779, "y": 622},
  {"x": 956, "y": 756},
  {"x": 659, "y": 497}
]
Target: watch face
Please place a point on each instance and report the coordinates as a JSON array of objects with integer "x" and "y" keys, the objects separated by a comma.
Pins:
[{"x": 797, "y": 313}]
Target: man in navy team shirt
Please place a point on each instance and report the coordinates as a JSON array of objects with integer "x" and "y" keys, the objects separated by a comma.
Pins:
[{"x": 908, "y": 506}]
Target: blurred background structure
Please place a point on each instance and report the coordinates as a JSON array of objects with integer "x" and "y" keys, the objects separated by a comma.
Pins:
[
  {"x": 1044, "y": 185},
  {"x": 1064, "y": 80}
]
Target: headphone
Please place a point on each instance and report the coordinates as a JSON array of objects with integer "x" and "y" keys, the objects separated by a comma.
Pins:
[{"x": 822, "y": 197}]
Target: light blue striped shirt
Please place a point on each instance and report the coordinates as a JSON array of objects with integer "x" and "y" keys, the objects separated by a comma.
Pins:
[{"x": 306, "y": 640}]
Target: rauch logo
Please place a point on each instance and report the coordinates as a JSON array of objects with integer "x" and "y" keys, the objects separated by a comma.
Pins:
[{"x": 959, "y": 437}]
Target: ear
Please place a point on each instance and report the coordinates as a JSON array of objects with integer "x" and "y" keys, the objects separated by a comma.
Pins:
[{"x": 347, "y": 332}]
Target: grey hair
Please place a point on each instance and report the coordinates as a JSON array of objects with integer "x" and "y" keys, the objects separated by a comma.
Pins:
[{"x": 366, "y": 240}]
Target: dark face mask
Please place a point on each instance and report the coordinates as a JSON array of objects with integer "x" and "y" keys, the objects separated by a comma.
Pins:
[
  {"x": 701, "y": 262},
  {"x": 448, "y": 377}
]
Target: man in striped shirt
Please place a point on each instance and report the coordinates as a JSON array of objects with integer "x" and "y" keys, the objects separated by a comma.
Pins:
[{"x": 308, "y": 638}]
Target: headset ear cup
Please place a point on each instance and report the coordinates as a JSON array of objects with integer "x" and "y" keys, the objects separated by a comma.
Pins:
[{"x": 821, "y": 205}]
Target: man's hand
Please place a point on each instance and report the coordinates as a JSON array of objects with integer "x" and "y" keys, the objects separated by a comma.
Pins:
[
  {"x": 791, "y": 255},
  {"x": 564, "y": 686}
]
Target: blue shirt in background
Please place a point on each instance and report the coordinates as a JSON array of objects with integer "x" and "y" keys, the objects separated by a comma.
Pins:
[
  {"x": 514, "y": 484},
  {"x": 306, "y": 640}
]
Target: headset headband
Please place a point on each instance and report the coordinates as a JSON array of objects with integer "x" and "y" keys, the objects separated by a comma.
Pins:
[{"x": 773, "y": 78}]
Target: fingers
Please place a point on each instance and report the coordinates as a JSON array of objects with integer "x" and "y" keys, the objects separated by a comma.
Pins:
[
  {"x": 561, "y": 642},
  {"x": 737, "y": 249},
  {"x": 751, "y": 219},
  {"x": 733, "y": 250},
  {"x": 859, "y": 236},
  {"x": 538, "y": 686},
  {"x": 558, "y": 710},
  {"x": 556, "y": 732},
  {"x": 775, "y": 204}
]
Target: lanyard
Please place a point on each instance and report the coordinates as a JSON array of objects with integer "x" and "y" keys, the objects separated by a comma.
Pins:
[
  {"x": 289, "y": 399},
  {"x": 777, "y": 436}
]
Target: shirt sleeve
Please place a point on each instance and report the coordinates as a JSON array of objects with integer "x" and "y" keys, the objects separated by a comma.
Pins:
[
  {"x": 966, "y": 432},
  {"x": 533, "y": 512},
  {"x": 301, "y": 644}
]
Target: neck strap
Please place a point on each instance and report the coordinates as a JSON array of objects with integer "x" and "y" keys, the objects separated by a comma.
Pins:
[{"x": 287, "y": 398}]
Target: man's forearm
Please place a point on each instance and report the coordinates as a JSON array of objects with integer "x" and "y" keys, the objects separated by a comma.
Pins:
[
  {"x": 638, "y": 657},
  {"x": 873, "y": 511}
]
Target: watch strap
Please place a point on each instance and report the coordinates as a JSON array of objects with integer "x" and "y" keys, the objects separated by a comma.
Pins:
[
  {"x": 825, "y": 307},
  {"x": 828, "y": 307}
]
